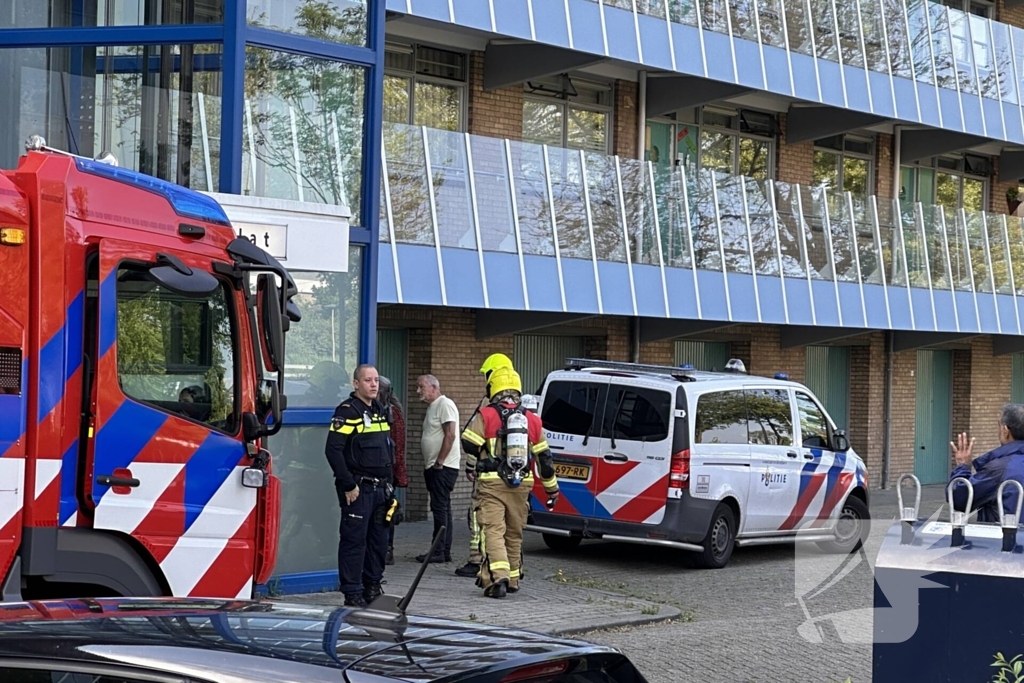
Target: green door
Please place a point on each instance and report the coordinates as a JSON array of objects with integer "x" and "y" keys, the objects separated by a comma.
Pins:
[
  {"x": 658, "y": 145},
  {"x": 707, "y": 356},
  {"x": 392, "y": 353},
  {"x": 535, "y": 355},
  {"x": 1017, "y": 379},
  {"x": 934, "y": 413},
  {"x": 827, "y": 372}
]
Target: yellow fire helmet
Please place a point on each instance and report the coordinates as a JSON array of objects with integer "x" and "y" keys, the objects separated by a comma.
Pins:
[
  {"x": 495, "y": 361},
  {"x": 503, "y": 379}
]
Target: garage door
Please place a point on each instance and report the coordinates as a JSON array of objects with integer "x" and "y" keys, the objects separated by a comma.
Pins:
[
  {"x": 1017, "y": 379},
  {"x": 535, "y": 355},
  {"x": 392, "y": 353},
  {"x": 707, "y": 356},
  {"x": 827, "y": 371}
]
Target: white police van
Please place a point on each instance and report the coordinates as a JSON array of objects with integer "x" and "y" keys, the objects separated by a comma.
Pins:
[{"x": 699, "y": 461}]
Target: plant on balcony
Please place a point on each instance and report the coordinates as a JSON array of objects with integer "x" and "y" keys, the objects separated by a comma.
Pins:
[{"x": 1013, "y": 199}]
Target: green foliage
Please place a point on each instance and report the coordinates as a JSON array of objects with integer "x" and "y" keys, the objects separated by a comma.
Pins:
[{"x": 1008, "y": 671}]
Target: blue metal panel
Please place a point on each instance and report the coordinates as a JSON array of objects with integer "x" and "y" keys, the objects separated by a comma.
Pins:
[
  {"x": 650, "y": 299},
  {"x": 232, "y": 97},
  {"x": 396, "y": 6},
  {"x": 542, "y": 283},
  {"x": 371, "y": 168},
  {"x": 586, "y": 26},
  {"x": 654, "y": 38},
  {"x": 1011, "y": 116},
  {"x": 950, "y": 103},
  {"x": 418, "y": 263},
  {"x": 615, "y": 292},
  {"x": 849, "y": 300},
  {"x": 799, "y": 298},
  {"x": 769, "y": 289},
  {"x": 686, "y": 40},
  {"x": 899, "y": 309},
  {"x": 973, "y": 122},
  {"x": 741, "y": 296},
  {"x": 748, "y": 59},
  {"x": 431, "y": 9},
  {"x": 462, "y": 278},
  {"x": 503, "y": 283},
  {"x": 906, "y": 98},
  {"x": 712, "y": 295},
  {"x": 549, "y": 23},
  {"x": 945, "y": 314},
  {"x": 987, "y": 313},
  {"x": 805, "y": 78},
  {"x": 874, "y": 302},
  {"x": 856, "y": 89},
  {"x": 881, "y": 95},
  {"x": 170, "y": 34},
  {"x": 387, "y": 286},
  {"x": 1007, "y": 313},
  {"x": 719, "y": 56},
  {"x": 993, "y": 118},
  {"x": 621, "y": 34},
  {"x": 966, "y": 311},
  {"x": 581, "y": 294},
  {"x": 929, "y": 105},
  {"x": 512, "y": 18},
  {"x": 682, "y": 298},
  {"x": 825, "y": 302},
  {"x": 1020, "y": 308},
  {"x": 923, "y": 318},
  {"x": 776, "y": 67},
  {"x": 473, "y": 13},
  {"x": 831, "y": 83},
  {"x": 311, "y": 47}
]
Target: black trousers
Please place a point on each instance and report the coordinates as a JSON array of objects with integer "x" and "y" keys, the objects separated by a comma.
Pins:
[
  {"x": 440, "y": 484},
  {"x": 363, "y": 540}
]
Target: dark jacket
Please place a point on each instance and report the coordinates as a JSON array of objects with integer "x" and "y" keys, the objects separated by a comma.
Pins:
[
  {"x": 359, "y": 443},
  {"x": 990, "y": 470}
]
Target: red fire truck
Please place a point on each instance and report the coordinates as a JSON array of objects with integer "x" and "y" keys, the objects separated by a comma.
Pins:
[{"x": 141, "y": 362}]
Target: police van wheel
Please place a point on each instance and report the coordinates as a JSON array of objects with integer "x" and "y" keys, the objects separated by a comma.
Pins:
[
  {"x": 719, "y": 541},
  {"x": 561, "y": 542},
  {"x": 851, "y": 529}
]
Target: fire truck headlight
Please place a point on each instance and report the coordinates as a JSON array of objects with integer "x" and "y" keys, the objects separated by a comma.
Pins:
[{"x": 254, "y": 478}]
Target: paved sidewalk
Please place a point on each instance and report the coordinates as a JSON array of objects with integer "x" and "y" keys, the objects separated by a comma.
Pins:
[{"x": 548, "y": 602}]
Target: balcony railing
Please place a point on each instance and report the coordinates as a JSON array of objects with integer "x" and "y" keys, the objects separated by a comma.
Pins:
[{"x": 455, "y": 191}]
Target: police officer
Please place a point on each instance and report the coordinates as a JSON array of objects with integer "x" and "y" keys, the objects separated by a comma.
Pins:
[
  {"x": 505, "y": 442},
  {"x": 360, "y": 453}
]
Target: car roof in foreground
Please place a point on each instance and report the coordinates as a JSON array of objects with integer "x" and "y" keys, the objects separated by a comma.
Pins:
[
  {"x": 698, "y": 379},
  {"x": 263, "y": 641}
]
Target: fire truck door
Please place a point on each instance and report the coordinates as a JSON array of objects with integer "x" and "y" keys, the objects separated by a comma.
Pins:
[{"x": 167, "y": 452}]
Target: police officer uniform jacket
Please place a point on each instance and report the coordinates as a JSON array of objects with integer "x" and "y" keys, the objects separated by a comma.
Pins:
[{"x": 359, "y": 444}]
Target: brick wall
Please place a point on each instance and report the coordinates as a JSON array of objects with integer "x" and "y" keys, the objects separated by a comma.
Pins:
[
  {"x": 494, "y": 113},
  {"x": 997, "y": 197},
  {"x": 990, "y": 391},
  {"x": 1009, "y": 15},
  {"x": 904, "y": 391},
  {"x": 867, "y": 396},
  {"x": 795, "y": 162},
  {"x": 884, "y": 184}
]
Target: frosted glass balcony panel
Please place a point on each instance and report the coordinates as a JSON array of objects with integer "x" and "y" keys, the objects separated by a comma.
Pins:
[
  {"x": 871, "y": 19},
  {"x": 704, "y": 226},
  {"x": 841, "y": 231},
  {"x": 896, "y": 37},
  {"x": 849, "y": 32},
  {"x": 818, "y": 256},
  {"x": 942, "y": 46},
  {"x": 1007, "y": 83},
  {"x": 823, "y": 20},
  {"x": 762, "y": 227},
  {"x": 532, "y": 204},
  {"x": 769, "y": 13},
  {"x": 451, "y": 189},
  {"x": 732, "y": 217},
  {"x": 975, "y": 230},
  {"x": 893, "y": 253},
  {"x": 640, "y": 223},
  {"x": 798, "y": 26},
  {"x": 493, "y": 198},
  {"x": 570, "y": 207},
  {"x": 867, "y": 253},
  {"x": 407, "y": 176},
  {"x": 920, "y": 40},
  {"x": 791, "y": 229},
  {"x": 605, "y": 209},
  {"x": 998, "y": 254},
  {"x": 935, "y": 241}
]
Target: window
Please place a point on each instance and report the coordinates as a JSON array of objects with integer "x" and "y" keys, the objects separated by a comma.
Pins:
[
  {"x": 341, "y": 21},
  {"x": 770, "y": 421},
  {"x": 953, "y": 182},
  {"x": 570, "y": 407},
  {"x": 637, "y": 414},
  {"x": 176, "y": 352},
  {"x": 738, "y": 142},
  {"x": 813, "y": 425},
  {"x": 568, "y": 112},
  {"x": 844, "y": 162},
  {"x": 18, "y": 675},
  {"x": 722, "y": 418},
  {"x": 424, "y": 86},
  {"x": 59, "y": 13},
  {"x": 981, "y": 8}
]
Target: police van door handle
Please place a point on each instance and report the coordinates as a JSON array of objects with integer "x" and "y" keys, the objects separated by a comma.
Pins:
[
  {"x": 808, "y": 456},
  {"x": 616, "y": 457},
  {"x": 791, "y": 454}
]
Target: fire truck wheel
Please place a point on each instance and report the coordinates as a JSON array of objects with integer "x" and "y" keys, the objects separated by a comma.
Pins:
[
  {"x": 719, "y": 541},
  {"x": 562, "y": 542},
  {"x": 851, "y": 529}
]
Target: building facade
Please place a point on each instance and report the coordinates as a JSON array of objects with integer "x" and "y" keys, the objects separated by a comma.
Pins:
[{"x": 820, "y": 188}]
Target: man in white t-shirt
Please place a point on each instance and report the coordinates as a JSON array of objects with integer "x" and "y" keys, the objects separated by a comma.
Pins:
[{"x": 442, "y": 458}]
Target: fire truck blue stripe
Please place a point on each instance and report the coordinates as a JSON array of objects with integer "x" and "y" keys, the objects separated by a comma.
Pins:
[
  {"x": 73, "y": 327},
  {"x": 51, "y": 374},
  {"x": 122, "y": 438},
  {"x": 68, "y": 476},
  {"x": 208, "y": 468},
  {"x": 108, "y": 312},
  {"x": 11, "y": 429}
]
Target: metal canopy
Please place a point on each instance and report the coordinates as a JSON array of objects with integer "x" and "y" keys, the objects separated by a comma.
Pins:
[
  {"x": 813, "y": 123},
  {"x": 924, "y": 144},
  {"x": 1004, "y": 344},
  {"x": 909, "y": 341},
  {"x": 666, "y": 94},
  {"x": 1011, "y": 163},
  {"x": 655, "y": 329},
  {"x": 491, "y": 323},
  {"x": 798, "y": 335},
  {"x": 513, "y": 63}
]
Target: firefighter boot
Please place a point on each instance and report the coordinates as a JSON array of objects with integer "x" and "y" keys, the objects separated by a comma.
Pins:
[{"x": 497, "y": 590}]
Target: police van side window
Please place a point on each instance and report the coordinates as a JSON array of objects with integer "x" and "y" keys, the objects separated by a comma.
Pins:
[
  {"x": 571, "y": 407},
  {"x": 770, "y": 421},
  {"x": 813, "y": 425},
  {"x": 721, "y": 418},
  {"x": 637, "y": 414}
]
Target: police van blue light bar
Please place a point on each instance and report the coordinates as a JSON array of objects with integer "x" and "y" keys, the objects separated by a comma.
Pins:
[
  {"x": 781, "y": 375},
  {"x": 687, "y": 366},
  {"x": 185, "y": 202}
]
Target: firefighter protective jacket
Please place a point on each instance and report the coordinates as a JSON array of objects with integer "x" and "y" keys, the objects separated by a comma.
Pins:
[{"x": 482, "y": 444}]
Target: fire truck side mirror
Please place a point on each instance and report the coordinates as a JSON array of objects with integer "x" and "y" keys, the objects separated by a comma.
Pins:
[
  {"x": 272, "y": 322},
  {"x": 251, "y": 427}
]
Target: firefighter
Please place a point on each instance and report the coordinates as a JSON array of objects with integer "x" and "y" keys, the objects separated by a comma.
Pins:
[
  {"x": 360, "y": 452},
  {"x": 476, "y": 555},
  {"x": 503, "y": 442}
]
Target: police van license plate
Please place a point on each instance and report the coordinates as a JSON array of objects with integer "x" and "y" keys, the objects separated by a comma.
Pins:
[{"x": 566, "y": 471}]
